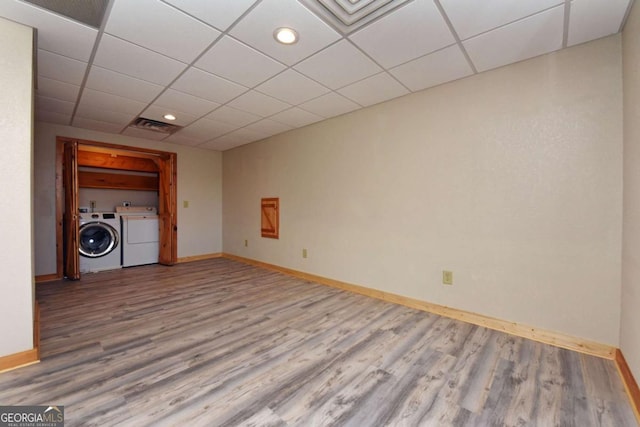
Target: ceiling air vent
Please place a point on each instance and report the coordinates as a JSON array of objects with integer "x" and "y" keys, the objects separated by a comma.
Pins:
[
  {"x": 154, "y": 125},
  {"x": 90, "y": 12},
  {"x": 349, "y": 15}
]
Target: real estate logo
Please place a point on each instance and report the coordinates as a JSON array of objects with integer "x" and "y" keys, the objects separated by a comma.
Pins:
[{"x": 31, "y": 416}]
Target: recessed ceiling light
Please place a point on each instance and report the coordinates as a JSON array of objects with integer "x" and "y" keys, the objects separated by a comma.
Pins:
[
  {"x": 169, "y": 117},
  {"x": 285, "y": 35}
]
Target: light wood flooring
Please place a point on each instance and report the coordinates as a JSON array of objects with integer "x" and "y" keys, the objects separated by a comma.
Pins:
[{"x": 220, "y": 343}]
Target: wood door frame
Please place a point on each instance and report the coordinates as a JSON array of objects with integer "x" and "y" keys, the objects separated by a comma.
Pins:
[
  {"x": 120, "y": 149},
  {"x": 70, "y": 218}
]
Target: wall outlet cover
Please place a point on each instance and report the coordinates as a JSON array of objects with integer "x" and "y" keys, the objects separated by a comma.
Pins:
[{"x": 447, "y": 277}]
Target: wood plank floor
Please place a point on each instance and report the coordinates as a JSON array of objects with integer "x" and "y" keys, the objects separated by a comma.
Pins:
[{"x": 220, "y": 343}]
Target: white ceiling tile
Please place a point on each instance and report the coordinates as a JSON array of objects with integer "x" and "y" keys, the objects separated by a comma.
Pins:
[
  {"x": 296, "y": 117},
  {"x": 223, "y": 143},
  {"x": 55, "y": 33},
  {"x": 178, "y": 138},
  {"x": 373, "y": 90},
  {"x": 55, "y": 105},
  {"x": 52, "y": 117},
  {"x": 219, "y": 13},
  {"x": 205, "y": 85},
  {"x": 161, "y": 28},
  {"x": 144, "y": 133},
  {"x": 269, "y": 127},
  {"x": 292, "y": 87},
  {"x": 94, "y": 98},
  {"x": 96, "y": 125},
  {"x": 257, "y": 27},
  {"x": 155, "y": 112},
  {"x": 233, "y": 116},
  {"x": 258, "y": 103},
  {"x": 338, "y": 65},
  {"x": 127, "y": 58},
  {"x": 533, "y": 36},
  {"x": 329, "y": 105},
  {"x": 61, "y": 68},
  {"x": 57, "y": 89},
  {"x": 185, "y": 103},
  {"x": 213, "y": 145},
  {"x": 439, "y": 67},
  {"x": 96, "y": 113},
  {"x": 238, "y": 62},
  {"x": 206, "y": 129},
  {"x": 592, "y": 19},
  {"x": 410, "y": 31},
  {"x": 122, "y": 85},
  {"x": 234, "y": 139},
  {"x": 249, "y": 134},
  {"x": 470, "y": 18}
]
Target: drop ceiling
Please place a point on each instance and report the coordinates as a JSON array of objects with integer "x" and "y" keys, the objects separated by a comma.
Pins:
[{"x": 216, "y": 66}]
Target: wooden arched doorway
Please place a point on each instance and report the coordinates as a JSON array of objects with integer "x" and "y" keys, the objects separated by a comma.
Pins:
[{"x": 72, "y": 153}]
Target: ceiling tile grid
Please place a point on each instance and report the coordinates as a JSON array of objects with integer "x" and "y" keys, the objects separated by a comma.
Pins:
[
  {"x": 296, "y": 117},
  {"x": 233, "y": 116},
  {"x": 115, "y": 83},
  {"x": 61, "y": 68},
  {"x": 57, "y": 89},
  {"x": 218, "y": 13},
  {"x": 471, "y": 18},
  {"x": 128, "y": 58},
  {"x": 374, "y": 90},
  {"x": 292, "y": 87},
  {"x": 532, "y": 36},
  {"x": 88, "y": 111},
  {"x": 259, "y": 104},
  {"x": 592, "y": 19},
  {"x": 257, "y": 27},
  {"x": 431, "y": 70},
  {"x": 216, "y": 65},
  {"x": 412, "y": 30},
  {"x": 239, "y": 63},
  {"x": 144, "y": 23},
  {"x": 338, "y": 65},
  {"x": 56, "y": 33},
  {"x": 208, "y": 86},
  {"x": 330, "y": 105}
]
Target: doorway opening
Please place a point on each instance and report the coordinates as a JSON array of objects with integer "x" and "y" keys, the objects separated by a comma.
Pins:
[{"x": 72, "y": 154}]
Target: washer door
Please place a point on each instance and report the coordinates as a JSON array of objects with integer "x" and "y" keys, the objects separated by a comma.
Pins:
[{"x": 97, "y": 239}]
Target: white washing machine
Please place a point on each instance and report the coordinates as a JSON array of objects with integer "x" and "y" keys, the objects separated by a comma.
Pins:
[
  {"x": 140, "y": 235},
  {"x": 99, "y": 242}
]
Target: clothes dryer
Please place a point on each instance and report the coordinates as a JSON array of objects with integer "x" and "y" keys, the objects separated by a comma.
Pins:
[{"x": 140, "y": 235}]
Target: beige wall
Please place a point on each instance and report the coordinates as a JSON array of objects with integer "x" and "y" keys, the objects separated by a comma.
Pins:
[
  {"x": 16, "y": 280},
  {"x": 511, "y": 178},
  {"x": 199, "y": 182},
  {"x": 630, "y": 320}
]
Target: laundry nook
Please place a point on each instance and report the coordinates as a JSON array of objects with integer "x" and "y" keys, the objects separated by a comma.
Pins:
[{"x": 118, "y": 198}]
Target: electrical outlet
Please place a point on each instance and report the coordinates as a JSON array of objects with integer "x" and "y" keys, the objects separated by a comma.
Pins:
[
  {"x": 92, "y": 204},
  {"x": 304, "y": 253},
  {"x": 185, "y": 203},
  {"x": 246, "y": 243},
  {"x": 447, "y": 277}
]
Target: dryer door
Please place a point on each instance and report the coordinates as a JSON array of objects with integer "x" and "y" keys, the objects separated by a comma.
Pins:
[{"x": 97, "y": 239}]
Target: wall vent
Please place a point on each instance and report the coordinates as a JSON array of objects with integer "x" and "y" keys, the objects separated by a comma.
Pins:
[
  {"x": 349, "y": 15},
  {"x": 154, "y": 125}
]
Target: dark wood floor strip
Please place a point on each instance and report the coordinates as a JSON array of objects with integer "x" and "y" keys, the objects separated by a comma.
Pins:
[{"x": 217, "y": 342}]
